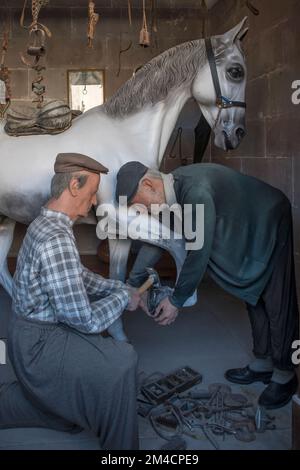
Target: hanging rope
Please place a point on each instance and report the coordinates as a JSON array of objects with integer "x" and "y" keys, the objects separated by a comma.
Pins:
[
  {"x": 93, "y": 19},
  {"x": 5, "y": 92},
  {"x": 144, "y": 33},
  {"x": 154, "y": 29},
  {"x": 122, "y": 50},
  {"x": 129, "y": 12},
  {"x": 204, "y": 11},
  {"x": 36, "y": 6}
]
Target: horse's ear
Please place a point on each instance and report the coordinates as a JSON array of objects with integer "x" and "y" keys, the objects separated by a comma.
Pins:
[
  {"x": 242, "y": 34},
  {"x": 236, "y": 33}
]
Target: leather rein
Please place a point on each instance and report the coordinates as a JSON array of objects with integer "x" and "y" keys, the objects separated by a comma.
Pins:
[{"x": 221, "y": 102}]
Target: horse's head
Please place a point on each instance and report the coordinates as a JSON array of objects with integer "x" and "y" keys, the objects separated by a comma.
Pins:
[{"x": 219, "y": 87}]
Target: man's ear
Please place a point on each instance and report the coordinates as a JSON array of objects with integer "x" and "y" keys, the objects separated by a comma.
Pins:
[
  {"x": 74, "y": 186},
  {"x": 147, "y": 183}
]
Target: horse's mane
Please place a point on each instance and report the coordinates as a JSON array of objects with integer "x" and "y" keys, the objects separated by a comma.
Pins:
[{"x": 154, "y": 80}]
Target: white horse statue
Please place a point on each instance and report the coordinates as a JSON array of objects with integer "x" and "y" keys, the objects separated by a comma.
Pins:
[{"x": 135, "y": 124}]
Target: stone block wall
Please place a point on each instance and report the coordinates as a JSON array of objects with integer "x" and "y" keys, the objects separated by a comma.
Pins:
[{"x": 271, "y": 149}]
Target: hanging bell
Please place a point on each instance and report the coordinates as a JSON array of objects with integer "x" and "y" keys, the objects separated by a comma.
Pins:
[
  {"x": 144, "y": 33},
  {"x": 144, "y": 38}
]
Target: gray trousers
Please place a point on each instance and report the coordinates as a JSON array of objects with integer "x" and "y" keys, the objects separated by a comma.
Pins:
[{"x": 70, "y": 381}]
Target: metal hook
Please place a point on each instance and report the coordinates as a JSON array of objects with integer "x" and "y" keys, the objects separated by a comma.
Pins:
[
  {"x": 121, "y": 51},
  {"x": 252, "y": 8}
]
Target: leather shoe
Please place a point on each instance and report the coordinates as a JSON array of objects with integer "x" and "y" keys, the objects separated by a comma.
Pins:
[
  {"x": 277, "y": 395},
  {"x": 247, "y": 376}
]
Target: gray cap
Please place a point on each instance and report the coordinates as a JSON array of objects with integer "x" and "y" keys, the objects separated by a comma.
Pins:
[{"x": 128, "y": 179}]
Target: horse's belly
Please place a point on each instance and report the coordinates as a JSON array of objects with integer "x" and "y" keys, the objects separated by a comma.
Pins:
[{"x": 23, "y": 208}]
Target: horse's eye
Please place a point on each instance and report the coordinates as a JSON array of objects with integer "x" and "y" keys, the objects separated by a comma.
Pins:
[{"x": 236, "y": 72}]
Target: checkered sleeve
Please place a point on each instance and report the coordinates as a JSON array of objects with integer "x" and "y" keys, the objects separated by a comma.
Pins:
[
  {"x": 62, "y": 280},
  {"x": 96, "y": 284}
]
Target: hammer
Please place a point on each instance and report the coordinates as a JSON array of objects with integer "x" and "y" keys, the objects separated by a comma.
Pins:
[{"x": 153, "y": 280}]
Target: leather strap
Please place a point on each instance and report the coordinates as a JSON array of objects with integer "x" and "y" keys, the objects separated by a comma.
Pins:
[
  {"x": 222, "y": 102},
  {"x": 213, "y": 67}
]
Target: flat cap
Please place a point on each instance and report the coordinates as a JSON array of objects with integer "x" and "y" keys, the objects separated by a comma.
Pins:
[
  {"x": 69, "y": 162},
  {"x": 128, "y": 179}
]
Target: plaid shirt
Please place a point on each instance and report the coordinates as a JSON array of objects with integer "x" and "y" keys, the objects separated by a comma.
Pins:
[{"x": 50, "y": 283}]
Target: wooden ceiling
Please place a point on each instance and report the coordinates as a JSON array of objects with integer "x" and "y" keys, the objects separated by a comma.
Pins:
[{"x": 113, "y": 3}]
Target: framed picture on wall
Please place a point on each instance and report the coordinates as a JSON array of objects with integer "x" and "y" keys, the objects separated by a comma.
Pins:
[{"x": 85, "y": 89}]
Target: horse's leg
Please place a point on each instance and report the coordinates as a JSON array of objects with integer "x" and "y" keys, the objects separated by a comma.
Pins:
[
  {"x": 118, "y": 256},
  {"x": 6, "y": 237}
]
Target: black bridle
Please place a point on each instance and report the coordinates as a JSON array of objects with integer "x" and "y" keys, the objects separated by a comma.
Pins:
[{"x": 221, "y": 102}]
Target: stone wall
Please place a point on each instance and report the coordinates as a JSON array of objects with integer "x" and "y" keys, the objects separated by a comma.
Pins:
[{"x": 271, "y": 149}]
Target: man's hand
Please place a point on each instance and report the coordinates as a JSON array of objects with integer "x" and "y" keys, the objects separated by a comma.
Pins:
[
  {"x": 134, "y": 300},
  {"x": 165, "y": 313},
  {"x": 143, "y": 304}
]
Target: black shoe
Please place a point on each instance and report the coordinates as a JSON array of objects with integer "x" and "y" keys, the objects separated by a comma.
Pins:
[
  {"x": 247, "y": 376},
  {"x": 277, "y": 395}
]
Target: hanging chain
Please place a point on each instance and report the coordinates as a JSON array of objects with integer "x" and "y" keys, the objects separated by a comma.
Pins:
[
  {"x": 4, "y": 48},
  {"x": 36, "y": 48},
  {"x": 5, "y": 91}
]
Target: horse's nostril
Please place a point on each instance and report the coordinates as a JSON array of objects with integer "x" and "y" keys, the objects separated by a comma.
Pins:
[
  {"x": 228, "y": 143},
  {"x": 240, "y": 132}
]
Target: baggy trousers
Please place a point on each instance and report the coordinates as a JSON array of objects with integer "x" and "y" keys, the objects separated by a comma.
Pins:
[
  {"x": 71, "y": 381},
  {"x": 275, "y": 318}
]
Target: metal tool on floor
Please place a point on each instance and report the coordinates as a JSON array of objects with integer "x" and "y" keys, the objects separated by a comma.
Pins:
[
  {"x": 178, "y": 381},
  {"x": 216, "y": 412},
  {"x": 177, "y": 443},
  {"x": 263, "y": 421}
]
